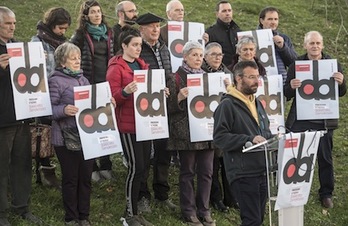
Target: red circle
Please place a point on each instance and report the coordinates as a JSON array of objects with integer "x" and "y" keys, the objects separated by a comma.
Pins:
[
  {"x": 178, "y": 48},
  {"x": 144, "y": 104},
  {"x": 22, "y": 79},
  {"x": 263, "y": 102},
  {"x": 291, "y": 170},
  {"x": 308, "y": 89},
  {"x": 88, "y": 121},
  {"x": 199, "y": 106}
]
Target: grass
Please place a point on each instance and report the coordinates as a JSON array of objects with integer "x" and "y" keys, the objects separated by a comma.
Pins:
[{"x": 297, "y": 18}]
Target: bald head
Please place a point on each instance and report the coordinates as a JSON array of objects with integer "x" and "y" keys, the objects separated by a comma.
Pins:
[
  {"x": 175, "y": 10},
  {"x": 126, "y": 12}
]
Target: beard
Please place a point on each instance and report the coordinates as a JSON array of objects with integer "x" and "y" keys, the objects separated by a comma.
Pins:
[
  {"x": 249, "y": 89},
  {"x": 130, "y": 21}
]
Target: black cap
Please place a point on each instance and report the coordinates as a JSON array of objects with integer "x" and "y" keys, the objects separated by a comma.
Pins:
[{"x": 148, "y": 18}]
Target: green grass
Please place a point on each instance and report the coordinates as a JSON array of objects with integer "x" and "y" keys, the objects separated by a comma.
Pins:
[{"x": 297, "y": 18}]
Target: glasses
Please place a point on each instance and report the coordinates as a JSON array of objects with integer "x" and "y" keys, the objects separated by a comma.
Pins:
[
  {"x": 131, "y": 11},
  {"x": 216, "y": 55},
  {"x": 252, "y": 77}
]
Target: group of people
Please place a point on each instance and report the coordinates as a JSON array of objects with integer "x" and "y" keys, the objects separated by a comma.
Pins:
[{"x": 98, "y": 53}]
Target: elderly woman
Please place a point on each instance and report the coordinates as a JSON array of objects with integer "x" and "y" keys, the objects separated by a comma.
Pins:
[
  {"x": 196, "y": 158},
  {"x": 212, "y": 62},
  {"x": 76, "y": 172},
  {"x": 246, "y": 50}
]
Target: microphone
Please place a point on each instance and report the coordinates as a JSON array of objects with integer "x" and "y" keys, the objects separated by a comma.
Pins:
[{"x": 250, "y": 146}]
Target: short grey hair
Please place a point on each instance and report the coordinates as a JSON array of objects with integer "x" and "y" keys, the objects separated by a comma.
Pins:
[
  {"x": 63, "y": 51},
  {"x": 170, "y": 3},
  {"x": 4, "y": 11},
  {"x": 245, "y": 40},
  {"x": 210, "y": 46},
  {"x": 309, "y": 34},
  {"x": 191, "y": 45}
]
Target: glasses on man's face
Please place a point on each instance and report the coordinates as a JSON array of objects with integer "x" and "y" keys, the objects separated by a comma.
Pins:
[
  {"x": 134, "y": 11},
  {"x": 252, "y": 77},
  {"x": 216, "y": 55}
]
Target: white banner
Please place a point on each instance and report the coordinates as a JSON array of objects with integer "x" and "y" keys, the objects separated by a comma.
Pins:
[
  {"x": 205, "y": 91},
  {"x": 270, "y": 93},
  {"x": 265, "y": 48},
  {"x": 150, "y": 105},
  {"x": 178, "y": 34},
  {"x": 317, "y": 98},
  {"x": 96, "y": 120},
  {"x": 296, "y": 161},
  {"x": 29, "y": 80}
]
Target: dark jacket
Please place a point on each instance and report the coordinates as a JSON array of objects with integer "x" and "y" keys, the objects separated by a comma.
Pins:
[
  {"x": 226, "y": 36},
  {"x": 62, "y": 93},
  {"x": 147, "y": 53},
  {"x": 234, "y": 125},
  {"x": 7, "y": 110},
  {"x": 291, "y": 93},
  {"x": 117, "y": 29},
  {"x": 119, "y": 75},
  {"x": 179, "y": 138},
  {"x": 84, "y": 41}
]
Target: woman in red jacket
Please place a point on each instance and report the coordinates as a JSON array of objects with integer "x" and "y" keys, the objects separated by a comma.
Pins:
[{"x": 120, "y": 75}]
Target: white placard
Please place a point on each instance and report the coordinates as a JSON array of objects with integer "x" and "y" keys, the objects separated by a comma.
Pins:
[
  {"x": 178, "y": 34},
  {"x": 29, "y": 80},
  {"x": 96, "y": 120},
  {"x": 205, "y": 91},
  {"x": 150, "y": 105},
  {"x": 317, "y": 98}
]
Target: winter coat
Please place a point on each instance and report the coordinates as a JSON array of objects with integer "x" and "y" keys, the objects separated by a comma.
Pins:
[
  {"x": 119, "y": 75},
  {"x": 234, "y": 125},
  {"x": 62, "y": 93}
]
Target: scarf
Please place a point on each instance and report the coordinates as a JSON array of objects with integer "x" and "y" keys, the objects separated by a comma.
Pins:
[
  {"x": 97, "y": 32},
  {"x": 47, "y": 35},
  {"x": 191, "y": 70},
  {"x": 69, "y": 72},
  {"x": 210, "y": 69}
]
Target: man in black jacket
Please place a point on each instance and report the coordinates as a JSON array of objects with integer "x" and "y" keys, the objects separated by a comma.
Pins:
[
  {"x": 15, "y": 140},
  {"x": 224, "y": 31},
  {"x": 313, "y": 43},
  {"x": 239, "y": 119}
]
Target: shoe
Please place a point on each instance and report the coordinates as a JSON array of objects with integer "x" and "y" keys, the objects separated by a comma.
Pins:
[
  {"x": 131, "y": 221},
  {"x": 327, "y": 202},
  {"x": 105, "y": 174},
  {"x": 166, "y": 204},
  {"x": 84, "y": 223},
  {"x": 144, "y": 205},
  {"x": 32, "y": 218},
  {"x": 192, "y": 220},
  {"x": 207, "y": 221},
  {"x": 49, "y": 178},
  {"x": 71, "y": 223},
  {"x": 96, "y": 176},
  {"x": 220, "y": 206},
  {"x": 143, "y": 221},
  {"x": 4, "y": 222}
]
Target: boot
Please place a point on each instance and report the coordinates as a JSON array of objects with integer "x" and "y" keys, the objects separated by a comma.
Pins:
[{"x": 48, "y": 177}]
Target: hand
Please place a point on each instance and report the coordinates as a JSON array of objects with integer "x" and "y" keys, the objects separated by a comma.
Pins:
[
  {"x": 279, "y": 41},
  {"x": 205, "y": 37},
  {"x": 338, "y": 76},
  {"x": 70, "y": 110},
  {"x": 166, "y": 91},
  {"x": 258, "y": 139},
  {"x": 227, "y": 82},
  {"x": 113, "y": 101},
  {"x": 183, "y": 93},
  {"x": 131, "y": 87},
  {"x": 4, "y": 60},
  {"x": 295, "y": 83}
]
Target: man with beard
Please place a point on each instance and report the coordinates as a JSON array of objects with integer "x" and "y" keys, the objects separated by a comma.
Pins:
[
  {"x": 240, "y": 119},
  {"x": 126, "y": 12}
]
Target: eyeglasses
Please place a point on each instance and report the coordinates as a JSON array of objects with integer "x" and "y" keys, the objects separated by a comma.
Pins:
[
  {"x": 131, "y": 11},
  {"x": 216, "y": 55},
  {"x": 252, "y": 77}
]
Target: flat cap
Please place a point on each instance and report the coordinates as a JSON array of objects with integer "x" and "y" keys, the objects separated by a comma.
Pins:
[{"x": 148, "y": 18}]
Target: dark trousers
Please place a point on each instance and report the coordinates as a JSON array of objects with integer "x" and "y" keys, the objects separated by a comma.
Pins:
[
  {"x": 251, "y": 194},
  {"x": 218, "y": 191},
  {"x": 138, "y": 158},
  {"x": 15, "y": 168},
  {"x": 76, "y": 183},
  {"x": 104, "y": 163},
  {"x": 192, "y": 163},
  {"x": 325, "y": 163}
]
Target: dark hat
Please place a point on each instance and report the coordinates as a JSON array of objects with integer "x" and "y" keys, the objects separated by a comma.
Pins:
[{"x": 148, "y": 18}]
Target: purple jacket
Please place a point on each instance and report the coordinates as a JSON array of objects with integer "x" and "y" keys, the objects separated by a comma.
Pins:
[{"x": 62, "y": 93}]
